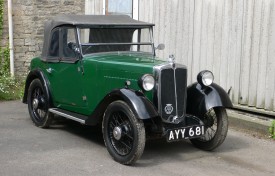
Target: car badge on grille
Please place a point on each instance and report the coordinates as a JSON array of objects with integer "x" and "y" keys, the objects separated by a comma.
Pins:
[{"x": 168, "y": 109}]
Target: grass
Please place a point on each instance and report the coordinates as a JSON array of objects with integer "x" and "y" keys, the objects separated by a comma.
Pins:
[{"x": 272, "y": 130}]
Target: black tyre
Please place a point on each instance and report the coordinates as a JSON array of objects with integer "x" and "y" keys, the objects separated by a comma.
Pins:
[
  {"x": 216, "y": 127},
  {"x": 123, "y": 133},
  {"x": 38, "y": 104}
]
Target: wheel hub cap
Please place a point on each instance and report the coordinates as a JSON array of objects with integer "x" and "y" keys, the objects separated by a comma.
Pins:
[
  {"x": 117, "y": 132},
  {"x": 35, "y": 103}
]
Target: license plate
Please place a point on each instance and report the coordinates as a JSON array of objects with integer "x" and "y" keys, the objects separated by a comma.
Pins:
[{"x": 184, "y": 133}]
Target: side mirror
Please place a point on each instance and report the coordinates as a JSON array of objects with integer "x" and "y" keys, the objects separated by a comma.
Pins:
[
  {"x": 161, "y": 46},
  {"x": 73, "y": 47}
]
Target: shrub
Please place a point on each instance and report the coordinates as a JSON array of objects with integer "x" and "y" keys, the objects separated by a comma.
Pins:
[{"x": 11, "y": 88}]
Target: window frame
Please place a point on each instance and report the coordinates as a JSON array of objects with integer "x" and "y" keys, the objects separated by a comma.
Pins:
[
  {"x": 61, "y": 57},
  {"x": 151, "y": 42}
]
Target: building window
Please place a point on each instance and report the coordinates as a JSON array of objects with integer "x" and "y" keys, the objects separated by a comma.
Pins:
[{"x": 119, "y": 7}]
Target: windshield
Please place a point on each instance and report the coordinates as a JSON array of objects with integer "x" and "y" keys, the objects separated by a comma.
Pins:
[{"x": 95, "y": 40}]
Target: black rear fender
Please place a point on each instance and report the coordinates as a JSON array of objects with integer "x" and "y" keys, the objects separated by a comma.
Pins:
[{"x": 33, "y": 75}]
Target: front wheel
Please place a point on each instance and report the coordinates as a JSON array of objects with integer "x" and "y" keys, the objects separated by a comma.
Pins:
[
  {"x": 123, "y": 133},
  {"x": 216, "y": 127}
]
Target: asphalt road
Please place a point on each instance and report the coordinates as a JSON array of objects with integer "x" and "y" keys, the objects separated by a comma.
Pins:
[{"x": 73, "y": 149}]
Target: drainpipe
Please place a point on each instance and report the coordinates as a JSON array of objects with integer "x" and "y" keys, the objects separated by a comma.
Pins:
[
  {"x": 104, "y": 7},
  {"x": 11, "y": 37}
]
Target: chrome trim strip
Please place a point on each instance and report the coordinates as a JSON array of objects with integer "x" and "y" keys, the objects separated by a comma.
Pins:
[
  {"x": 79, "y": 41},
  {"x": 53, "y": 110},
  {"x": 152, "y": 41},
  {"x": 102, "y": 44},
  {"x": 176, "y": 94}
]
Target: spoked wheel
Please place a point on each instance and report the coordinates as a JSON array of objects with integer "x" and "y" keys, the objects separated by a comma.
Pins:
[
  {"x": 216, "y": 127},
  {"x": 38, "y": 105},
  {"x": 123, "y": 133}
]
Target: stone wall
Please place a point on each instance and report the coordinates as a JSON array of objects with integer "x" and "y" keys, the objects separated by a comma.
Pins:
[{"x": 28, "y": 21}]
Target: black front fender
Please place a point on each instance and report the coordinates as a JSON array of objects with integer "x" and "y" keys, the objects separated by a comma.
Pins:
[
  {"x": 139, "y": 104},
  {"x": 201, "y": 99},
  {"x": 143, "y": 108}
]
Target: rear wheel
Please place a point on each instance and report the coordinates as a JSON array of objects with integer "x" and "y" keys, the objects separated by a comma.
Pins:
[
  {"x": 123, "y": 133},
  {"x": 38, "y": 104},
  {"x": 216, "y": 127}
]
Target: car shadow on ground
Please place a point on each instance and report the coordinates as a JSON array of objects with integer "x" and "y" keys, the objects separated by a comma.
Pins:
[
  {"x": 159, "y": 151},
  {"x": 156, "y": 151},
  {"x": 91, "y": 133}
]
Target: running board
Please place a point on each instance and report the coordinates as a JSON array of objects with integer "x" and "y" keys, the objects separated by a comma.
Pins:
[{"x": 69, "y": 115}]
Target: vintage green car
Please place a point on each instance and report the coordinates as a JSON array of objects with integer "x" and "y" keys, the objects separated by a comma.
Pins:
[{"x": 104, "y": 70}]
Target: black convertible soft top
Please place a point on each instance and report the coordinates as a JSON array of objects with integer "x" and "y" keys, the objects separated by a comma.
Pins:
[
  {"x": 90, "y": 21},
  {"x": 96, "y": 20}
]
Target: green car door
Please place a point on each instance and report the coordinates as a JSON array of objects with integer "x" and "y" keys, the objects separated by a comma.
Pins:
[{"x": 65, "y": 72}]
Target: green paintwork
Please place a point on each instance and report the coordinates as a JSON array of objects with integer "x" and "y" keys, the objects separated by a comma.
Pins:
[
  {"x": 106, "y": 72},
  {"x": 81, "y": 91}
]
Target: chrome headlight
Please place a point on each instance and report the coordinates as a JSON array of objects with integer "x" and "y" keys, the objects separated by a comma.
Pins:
[
  {"x": 205, "y": 78},
  {"x": 146, "y": 82}
]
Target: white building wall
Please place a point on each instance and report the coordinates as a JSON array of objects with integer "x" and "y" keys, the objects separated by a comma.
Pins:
[
  {"x": 235, "y": 39},
  {"x": 94, "y": 7}
]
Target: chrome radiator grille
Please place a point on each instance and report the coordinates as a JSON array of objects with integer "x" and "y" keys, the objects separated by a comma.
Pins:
[{"x": 170, "y": 91}]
